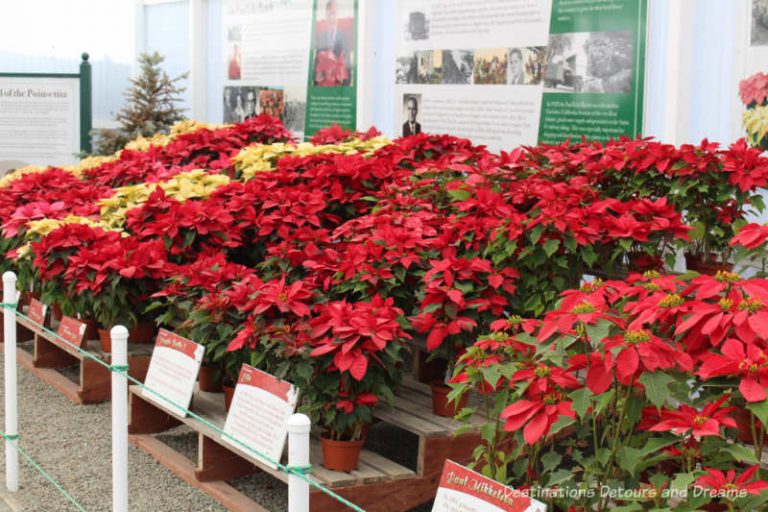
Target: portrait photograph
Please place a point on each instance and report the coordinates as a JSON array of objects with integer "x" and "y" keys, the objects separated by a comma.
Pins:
[{"x": 333, "y": 48}]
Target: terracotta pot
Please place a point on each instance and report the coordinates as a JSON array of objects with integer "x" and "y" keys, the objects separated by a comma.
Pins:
[
  {"x": 709, "y": 267},
  {"x": 229, "y": 392},
  {"x": 142, "y": 332},
  {"x": 26, "y": 296},
  {"x": 106, "y": 341},
  {"x": 56, "y": 313},
  {"x": 207, "y": 380},
  {"x": 341, "y": 455},
  {"x": 440, "y": 404},
  {"x": 91, "y": 330}
]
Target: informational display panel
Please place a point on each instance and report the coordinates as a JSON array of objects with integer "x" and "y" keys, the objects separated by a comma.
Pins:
[
  {"x": 332, "y": 85},
  {"x": 464, "y": 490},
  {"x": 258, "y": 416},
  {"x": 173, "y": 372},
  {"x": 292, "y": 59},
  {"x": 520, "y": 71},
  {"x": 39, "y": 120},
  {"x": 266, "y": 45}
]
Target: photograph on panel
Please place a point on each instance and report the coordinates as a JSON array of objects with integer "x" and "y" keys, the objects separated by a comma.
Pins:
[{"x": 589, "y": 62}]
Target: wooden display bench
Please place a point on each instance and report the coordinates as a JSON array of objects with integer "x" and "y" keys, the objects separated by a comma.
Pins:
[
  {"x": 378, "y": 484},
  {"x": 49, "y": 357}
]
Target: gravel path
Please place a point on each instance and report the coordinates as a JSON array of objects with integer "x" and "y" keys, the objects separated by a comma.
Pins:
[{"x": 73, "y": 444}]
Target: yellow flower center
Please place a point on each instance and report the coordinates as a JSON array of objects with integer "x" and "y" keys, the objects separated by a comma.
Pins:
[
  {"x": 542, "y": 371},
  {"x": 639, "y": 336},
  {"x": 591, "y": 287},
  {"x": 726, "y": 304},
  {"x": 752, "y": 305},
  {"x": 583, "y": 308},
  {"x": 727, "y": 277},
  {"x": 671, "y": 300},
  {"x": 651, "y": 274}
]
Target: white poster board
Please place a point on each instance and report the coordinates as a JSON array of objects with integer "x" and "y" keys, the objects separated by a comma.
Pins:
[
  {"x": 173, "y": 372},
  {"x": 258, "y": 416},
  {"x": 441, "y": 48},
  {"x": 464, "y": 490},
  {"x": 266, "y": 58},
  {"x": 39, "y": 120}
]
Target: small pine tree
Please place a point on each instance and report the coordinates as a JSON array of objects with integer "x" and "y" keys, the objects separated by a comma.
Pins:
[{"x": 151, "y": 106}]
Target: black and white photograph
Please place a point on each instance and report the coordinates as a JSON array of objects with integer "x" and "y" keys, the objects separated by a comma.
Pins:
[
  {"x": 240, "y": 103},
  {"x": 416, "y": 26},
  {"x": 457, "y": 66},
  {"x": 429, "y": 67},
  {"x": 759, "y": 34},
  {"x": 235, "y": 33},
  {"x": 411, "y": 105},
  {"x": 589, "y": 62},
  {"x": 525, "y": 65},
  {"x": 405, "y": 69}
]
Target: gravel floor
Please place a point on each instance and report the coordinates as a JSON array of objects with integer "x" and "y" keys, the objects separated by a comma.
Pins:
[{"x": 72, "y": 443}]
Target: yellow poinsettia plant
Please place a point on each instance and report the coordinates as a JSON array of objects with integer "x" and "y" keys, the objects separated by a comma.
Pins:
[{"x": 263, "y": 157}]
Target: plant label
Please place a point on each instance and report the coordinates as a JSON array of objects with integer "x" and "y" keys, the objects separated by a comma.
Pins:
[
  {"x": 72, "y": 330},
  {"x": 36, "y": 311},
  {"x": 464, "y": 490},
  {"x": 173, "y": 372},
  {"x": 258, "y": 416}
]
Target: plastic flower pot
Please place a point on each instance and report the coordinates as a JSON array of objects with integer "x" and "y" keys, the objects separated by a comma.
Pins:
[
  {"x": 207, "y": 380},
  {"x": 106, "y": 341},
  {"x": 229, "y": 392},
  {"x": 142, "y": 332},
  {"x": 56, "y": 313},
  {"x": 441, "y": 406},
  {"x": 709, "y": 267},
  {"x": 341, "y": 455}
]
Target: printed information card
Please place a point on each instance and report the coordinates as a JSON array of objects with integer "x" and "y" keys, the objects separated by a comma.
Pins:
[
  {"x": 173, "y": 372},
  {"x": 260, "y": 410},
  {"x": 71, "y": 330},
  {"x": 464, "y": 490},
  {"x": 37, "y": 311}
]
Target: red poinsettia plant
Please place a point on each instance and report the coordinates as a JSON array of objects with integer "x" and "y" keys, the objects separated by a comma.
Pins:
[
  {"x": 629, "y": 384},
  {"x": 356, "y": 353}
]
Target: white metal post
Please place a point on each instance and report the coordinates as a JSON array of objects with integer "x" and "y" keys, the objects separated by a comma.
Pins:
[
  {"x": 10, "y": 296},
  {"x": 119, "y": 335},
  {"x": 298, "y": 456}
]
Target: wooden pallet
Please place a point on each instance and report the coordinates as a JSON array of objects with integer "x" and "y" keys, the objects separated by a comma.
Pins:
[
  {"x": 378, "y": 484},
  {"x": 48, "y": 358}
]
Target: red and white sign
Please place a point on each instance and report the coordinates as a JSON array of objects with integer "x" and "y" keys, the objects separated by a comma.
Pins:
[
  {"x": 71, "y": 330},
  {"x": 258, "y": 416},
  {"x": 464, "y": 490},
  {"x": 36, "y": 311},
  {"x": 173, "y": 372}
]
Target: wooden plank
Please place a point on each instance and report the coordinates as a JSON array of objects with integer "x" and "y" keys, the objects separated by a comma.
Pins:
[
  {"x": 146, "y": 418},
  {"x": 392, "y": 469},
  {"x": 56, "y": 380},
  {"x": 95, "y": 382},
  {"x": 49, "y": 355},
  {"x": 216, "y": 462},
  {"x": 433, "y": 451},
  {"x": 411, "y": 423},
  {"x": 228, "y": 496},
  {"x": 391, "y": 496}
]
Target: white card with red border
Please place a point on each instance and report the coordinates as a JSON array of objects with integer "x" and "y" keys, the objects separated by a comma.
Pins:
[
  {"x": 173, "y": 372},
  {"x": 258, "y": 416},
  {"x": 464, "y": 490}
]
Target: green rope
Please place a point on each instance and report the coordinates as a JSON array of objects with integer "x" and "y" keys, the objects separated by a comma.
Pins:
[
  {"x": 42, "y": 471},
  {"x": 9, "y": 305},
  {"x": 300, "y": 471}
]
